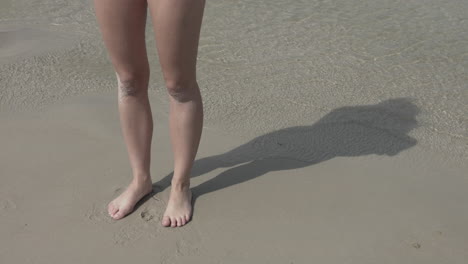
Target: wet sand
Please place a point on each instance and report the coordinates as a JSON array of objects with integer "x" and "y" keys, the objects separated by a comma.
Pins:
[{"x": 335, "y": 132}]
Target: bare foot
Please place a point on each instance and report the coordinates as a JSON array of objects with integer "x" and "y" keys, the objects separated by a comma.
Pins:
[
  {"x": 123, "y": 205},
  {"x": 179, "y": 208}
]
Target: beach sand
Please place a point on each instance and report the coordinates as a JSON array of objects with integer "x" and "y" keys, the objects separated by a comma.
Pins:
[{"x": 335, "y": 132}]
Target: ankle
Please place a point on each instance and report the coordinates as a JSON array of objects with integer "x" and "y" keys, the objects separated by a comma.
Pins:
[
  {"x": 141, "y": 179},
  {"x": 180, "y": 185}
]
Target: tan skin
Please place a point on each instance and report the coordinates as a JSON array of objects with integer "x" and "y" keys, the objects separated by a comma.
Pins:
[{"x": 177, "y": 25}]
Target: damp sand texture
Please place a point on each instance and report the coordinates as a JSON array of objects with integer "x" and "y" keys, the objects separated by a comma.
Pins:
[{"x": 335, "y": 131}]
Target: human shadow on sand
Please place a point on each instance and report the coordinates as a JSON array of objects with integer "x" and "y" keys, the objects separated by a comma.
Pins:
[{"x": 344, "y": 132}]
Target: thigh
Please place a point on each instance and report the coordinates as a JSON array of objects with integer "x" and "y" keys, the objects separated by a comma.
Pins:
[
  {"x": 177, "y": 25},
  {"x": 122, "y": 25}
]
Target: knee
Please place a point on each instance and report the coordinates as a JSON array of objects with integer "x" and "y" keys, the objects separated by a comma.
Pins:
[
  {"x": 182, "y": 90},
  {"x": 131, "y": 84}
]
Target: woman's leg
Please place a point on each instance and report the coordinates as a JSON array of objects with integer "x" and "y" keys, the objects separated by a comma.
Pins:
[
  {"x": 122, "y": 24},
  {"x": 177, "y": 25}
]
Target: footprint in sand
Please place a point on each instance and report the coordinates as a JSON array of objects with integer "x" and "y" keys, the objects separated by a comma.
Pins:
[
  {"x": 416, "y": 245},
  {"x": 429, "y": 239},
  {"x": 147, "y": 215},
  {"x": 187, "y": 247},
  {"x": 7, "y": 205},
  {"x": 98, "y": 214},
  {"x": 143, "y": 222}
]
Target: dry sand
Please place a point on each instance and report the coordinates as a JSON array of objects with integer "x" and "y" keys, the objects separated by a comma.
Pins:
[{"x": 335, "y": 132}]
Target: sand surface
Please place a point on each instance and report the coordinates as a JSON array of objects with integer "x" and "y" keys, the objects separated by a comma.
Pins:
[{"x": 335, "y": 132}]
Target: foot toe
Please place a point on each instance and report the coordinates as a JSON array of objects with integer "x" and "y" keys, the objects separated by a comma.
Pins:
[
  {"x": 166, "y": 221},
  {"x": 173, "y": 222},
  {"x": 112, "y": 209},
  {"x": 118, "y": 215}
]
